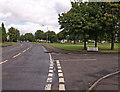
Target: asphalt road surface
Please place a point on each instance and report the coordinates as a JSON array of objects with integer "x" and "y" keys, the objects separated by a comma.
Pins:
[{"x": 26, "y": 66}]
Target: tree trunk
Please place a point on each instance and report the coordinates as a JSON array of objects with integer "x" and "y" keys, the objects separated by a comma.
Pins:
[
  {"x": 74, "y": 37},
  {"x": 112, "y": 41},
  {"x": 85, "y": 48},
  {"x": 96, "y": 41}
]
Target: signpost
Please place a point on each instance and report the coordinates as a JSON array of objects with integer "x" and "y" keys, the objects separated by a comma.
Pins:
[{"x": 92, "y": 48}]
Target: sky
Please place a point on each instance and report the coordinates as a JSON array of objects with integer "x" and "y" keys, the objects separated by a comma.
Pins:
[{"x": 31, "y": 15}]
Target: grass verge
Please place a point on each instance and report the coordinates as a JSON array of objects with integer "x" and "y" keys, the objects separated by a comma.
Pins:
[
  {"x": 5, "y": 44},
  {"x": 104, "y": 47}
]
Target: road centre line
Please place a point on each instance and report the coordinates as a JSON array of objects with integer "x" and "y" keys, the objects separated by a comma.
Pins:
[
  {"x": 16, "y": 55},
  {"x": 3, "y": 62},
  {"x": 24, "y": 51}
]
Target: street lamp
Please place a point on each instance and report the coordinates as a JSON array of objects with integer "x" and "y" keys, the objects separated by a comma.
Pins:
[{"x": 47, "y": 34}]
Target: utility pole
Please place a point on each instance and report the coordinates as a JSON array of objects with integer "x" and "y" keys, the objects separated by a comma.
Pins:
[{"x": 47, "y": 34}]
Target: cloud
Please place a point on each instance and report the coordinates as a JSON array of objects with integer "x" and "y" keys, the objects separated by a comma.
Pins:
[{"x": 29, "y": 15}]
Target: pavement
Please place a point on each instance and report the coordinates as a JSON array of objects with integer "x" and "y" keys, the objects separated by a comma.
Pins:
[{"x": 29, "y": 66}]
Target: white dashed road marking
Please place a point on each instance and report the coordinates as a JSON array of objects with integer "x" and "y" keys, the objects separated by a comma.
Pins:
[
  {"x": 50, "y": 67},
  {"x": 16, "y": 55},
  {"x": 61, "y": 80},
  {"x": 50, "y": 74},
  {"x": 49, "y": 79},
  {"x": 61, "y": 87},
  {"x": 48, "y": 87},
  {"x": 50, "y": 71},
  {"x": 60, "y": 74},
  {"x": 24, "y": 51},
  {"x": 59, "y": 71},
  {"x": 59, "y": 67},
  {"x": 3, "y": 62}
]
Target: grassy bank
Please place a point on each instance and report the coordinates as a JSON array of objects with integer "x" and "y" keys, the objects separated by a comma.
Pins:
[
  {"x": 104, "y": 47},
  {"x": 5, "y": 44}
]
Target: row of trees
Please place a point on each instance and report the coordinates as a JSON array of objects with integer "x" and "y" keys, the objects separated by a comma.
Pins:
[
  {"x": 91, "y": 20},
  {"x": 39, "y": 34},
  {"x": 13, "y": 35}
]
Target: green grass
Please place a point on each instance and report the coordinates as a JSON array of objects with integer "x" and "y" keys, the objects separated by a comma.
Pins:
[
  {"x": 105, "y": 47},
  {"x": 5, "y": 44}
]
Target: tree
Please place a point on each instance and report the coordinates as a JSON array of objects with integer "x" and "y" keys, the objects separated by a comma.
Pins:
[
  {"x": 61, "y": 35},
  {"x": 39, "y": 34},
  {"x": 0, "y": 34},
  {"x": 22, "y": 38},
  {"x": 30, "y": 37},
  {"x": 14, "y": 34},
  {"x": 4, "y": 35},
  {"x": 75, "y": 21},
  {"x": 51, "y": 36},
  {"x": 111, "y": 20}
]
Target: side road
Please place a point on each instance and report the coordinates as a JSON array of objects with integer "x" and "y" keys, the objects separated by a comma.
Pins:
[{"x": 81, "y": 70}]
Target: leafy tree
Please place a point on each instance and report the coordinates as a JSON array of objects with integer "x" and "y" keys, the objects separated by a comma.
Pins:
[
  {"x": 111, "y": 20},
  {"x": 51, "y": 36},
  {"x": 30, "y": 37},
  {"x": 61, "y": 35},
  {"x": 4, "y": 35},
  {"x": 0, "y": 34},
  {"x": 22, "y": 38},
  {"x": 39, "y": 34},
  {"x": 14, "y": 34},
  {"x": 75, "y": 21}
]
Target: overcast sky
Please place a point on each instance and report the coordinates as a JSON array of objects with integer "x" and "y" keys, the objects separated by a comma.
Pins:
[{"x": 30, "y": 15}]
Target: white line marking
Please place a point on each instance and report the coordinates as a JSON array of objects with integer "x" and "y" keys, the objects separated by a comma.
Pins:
[
  {"x": 59, "y": 67},
  {"x": 61, "y": 87},
  {"x": 27, "y": 48},
  {"x": 57, "y": 61},
  {"x": 50, "y": 74},
  {"x": 50, "y": 67},
  {"x": 60, "y": 74},
  {"x": 49, "y": 79},
  {"x": 16, "y": 55},
  {"x": 59, "y": 71},
  {"x": 24, "y": 51},
  {"x": 3, "y": 62},
  {"x": 50, "y": 71},
  {"x": 61, "y": 79},
  {"x": 87, "y": 59},
  {"x": 48, "y": 87}
]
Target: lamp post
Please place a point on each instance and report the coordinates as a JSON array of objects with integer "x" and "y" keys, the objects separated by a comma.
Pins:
[{"x": 47, "y": 34}]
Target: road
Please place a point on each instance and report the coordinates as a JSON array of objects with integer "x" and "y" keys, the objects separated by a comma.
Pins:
[
  {"x": 25, "y": 71},
  {"x": 28, "y": 67}
]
